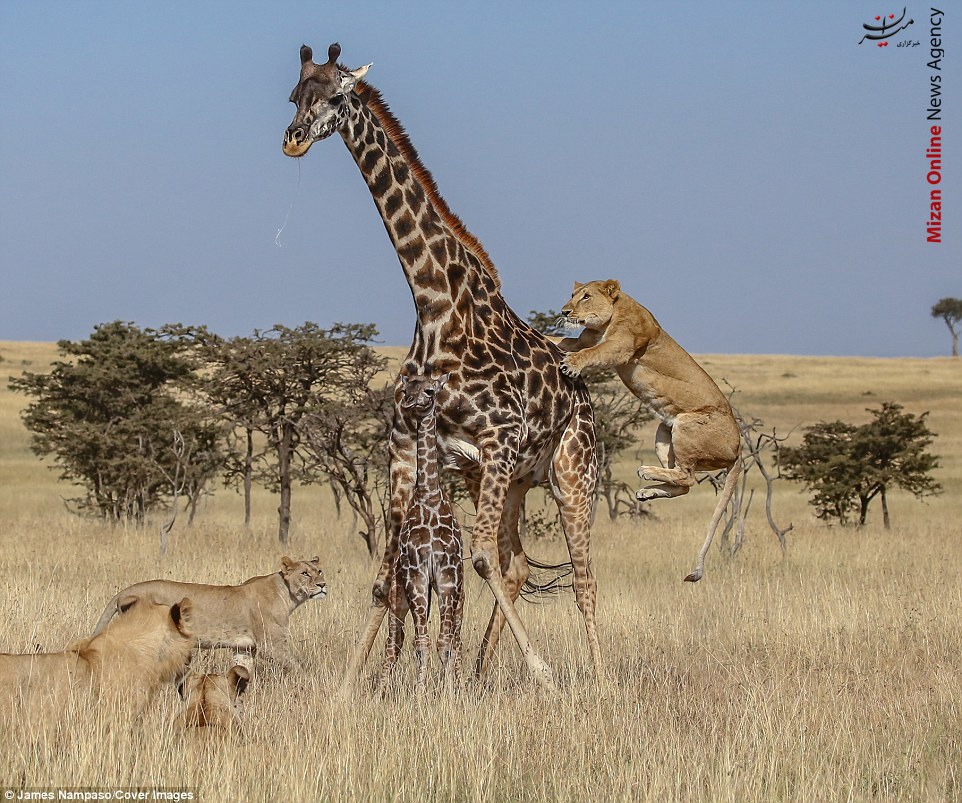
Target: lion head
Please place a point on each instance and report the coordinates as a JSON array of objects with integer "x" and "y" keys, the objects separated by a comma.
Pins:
[
  {"x": 592, "y": 304},
  {"x": 304, "y": 579}
]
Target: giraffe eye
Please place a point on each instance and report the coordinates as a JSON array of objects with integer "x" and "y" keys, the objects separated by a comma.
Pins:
[{"x": 335, "y": 99}]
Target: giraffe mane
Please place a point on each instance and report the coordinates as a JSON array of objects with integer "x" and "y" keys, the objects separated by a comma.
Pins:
[{"x": 392, "y": 126}]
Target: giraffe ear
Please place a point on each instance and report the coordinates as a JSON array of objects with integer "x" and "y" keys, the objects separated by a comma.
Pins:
[
  {"x": 350, "y": 78},
  {"x": 613, "y": 288},
  {"x": 442, "y": 380}
]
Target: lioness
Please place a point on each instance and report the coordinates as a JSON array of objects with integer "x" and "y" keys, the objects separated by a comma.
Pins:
[
  {"x": 213, "y": 700},
  {"x": 698, "y": 431},
  {"x": 149, "y": 645},
  {"x": 252, "y": 616}
]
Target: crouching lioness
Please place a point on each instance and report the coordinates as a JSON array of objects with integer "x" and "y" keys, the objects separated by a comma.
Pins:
[
  {"x": 124, "y": 665},
  {"x": 252, "y": 616},
  {"x": 213, "y": 700}
]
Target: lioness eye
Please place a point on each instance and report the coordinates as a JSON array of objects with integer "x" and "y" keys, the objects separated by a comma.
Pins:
[
  {"x": 305, "y": 574},
  {"x": 585, "y": 297}
]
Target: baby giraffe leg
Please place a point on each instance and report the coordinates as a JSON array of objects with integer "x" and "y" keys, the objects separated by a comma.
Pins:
[
  {"x": 418, "y": 592},
  {"x": 397, "y": 613},
  {"x": 451, "y": 607}
]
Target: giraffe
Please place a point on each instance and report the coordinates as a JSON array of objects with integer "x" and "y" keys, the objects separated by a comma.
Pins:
[
  {"x": 429, "y": 550},
  {"x": 507, "y": 417}
]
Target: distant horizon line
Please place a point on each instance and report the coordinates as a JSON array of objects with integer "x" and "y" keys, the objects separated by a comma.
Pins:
[{"x": 700, "y": 354}]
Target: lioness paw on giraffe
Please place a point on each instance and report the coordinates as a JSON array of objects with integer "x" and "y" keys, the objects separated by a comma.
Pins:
[{"x": 698, "y": 431}]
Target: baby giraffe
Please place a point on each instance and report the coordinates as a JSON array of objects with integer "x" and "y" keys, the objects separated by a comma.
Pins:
[{"x": 429, "y": 557}]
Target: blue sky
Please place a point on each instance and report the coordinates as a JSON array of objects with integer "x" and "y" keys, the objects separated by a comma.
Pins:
[{"x": 746, "y": 170}]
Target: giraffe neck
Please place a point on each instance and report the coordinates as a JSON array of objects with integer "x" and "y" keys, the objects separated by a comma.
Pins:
[
  {"x": 428, "y": 478},
  {"x": 446, "y": 267}
]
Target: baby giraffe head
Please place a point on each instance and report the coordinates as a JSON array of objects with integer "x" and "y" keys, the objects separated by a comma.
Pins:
[{"x": 419, "y": 393}]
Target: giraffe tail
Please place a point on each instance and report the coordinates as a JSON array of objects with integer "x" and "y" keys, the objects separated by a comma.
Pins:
[
  {"x": 726, "y": 496},
  {"x": 534, "y": 589}
]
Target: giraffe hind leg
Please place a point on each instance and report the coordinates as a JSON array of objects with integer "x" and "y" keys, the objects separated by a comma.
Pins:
[{"x": 573, "y": 474}]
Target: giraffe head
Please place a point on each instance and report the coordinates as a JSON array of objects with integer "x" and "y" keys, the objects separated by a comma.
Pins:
[
  {"x": 419, "y": 392},
  {"x": 320, "y": 97}
]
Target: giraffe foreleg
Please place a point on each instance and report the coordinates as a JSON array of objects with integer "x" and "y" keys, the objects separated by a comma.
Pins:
[
  {"x": 397, "y": 613},
  {"x": 514, "y": 568},
  {"x": 418, "y": 591},
  {"x": 495, "y": 482},
  {"x": 450, "y": 587}
]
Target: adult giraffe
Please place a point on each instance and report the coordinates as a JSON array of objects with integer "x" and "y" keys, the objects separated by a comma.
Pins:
[{"x": 507, "y": 416}]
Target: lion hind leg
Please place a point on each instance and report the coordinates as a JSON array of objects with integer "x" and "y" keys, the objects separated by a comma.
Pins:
[
  {"x": 661, "y": 491},
  {"x": 670, "y": 482}
]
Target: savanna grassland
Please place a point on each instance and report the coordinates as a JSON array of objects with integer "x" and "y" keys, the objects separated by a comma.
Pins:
[{"x": 832, "y": 674}]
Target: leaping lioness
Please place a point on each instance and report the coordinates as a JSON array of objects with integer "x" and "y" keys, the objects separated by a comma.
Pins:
[{"x": 698, "y": 431}]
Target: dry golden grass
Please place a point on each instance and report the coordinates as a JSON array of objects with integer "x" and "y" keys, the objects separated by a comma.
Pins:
[{"x": 833, "y": 675}]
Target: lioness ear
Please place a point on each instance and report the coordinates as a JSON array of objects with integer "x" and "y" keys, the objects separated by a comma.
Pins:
[
  {"x": 183, "y": 613},
  {"x": 316, "y": 560},
  {"x": 127, "y": 602},
  {"x": 612, "y": 287},
  {"x": 576, "y": 288},
  {"x": 287, "y": 563},
  {"x": 238, "y": 679}
]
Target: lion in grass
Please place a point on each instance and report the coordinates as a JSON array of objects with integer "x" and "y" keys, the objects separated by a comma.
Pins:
[
  {"x": 150, "y": 645},
  {"x": 698, "y": 431},
  {"x": 214, "y": 700},
  {"x": 249, "y": 617}
]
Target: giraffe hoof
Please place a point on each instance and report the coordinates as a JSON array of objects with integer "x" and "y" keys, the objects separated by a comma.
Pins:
[
  {"x": 380, "y": 591},
  {"x": 482, "y": 564},
  {"x": 541, "y": 673}
]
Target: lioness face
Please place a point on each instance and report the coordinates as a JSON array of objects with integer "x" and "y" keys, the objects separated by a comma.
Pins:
[
  {"x": 591, "y": 304},
  {"x": 304, "y": 578}
]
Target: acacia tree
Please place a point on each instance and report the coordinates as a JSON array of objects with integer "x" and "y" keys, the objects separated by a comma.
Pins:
[
  {"x": 950, "y": 311},
  {"x": 756, "y": 441},
  {"x": 107, "y": 414},
  {"x": 269, "y": 382},
  {"x": 847, "y": 466},
  {"x": 346, "y": 441}
]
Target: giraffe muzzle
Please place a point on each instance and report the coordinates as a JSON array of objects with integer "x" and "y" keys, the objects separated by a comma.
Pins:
[{"x": 296, "y": 141}]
